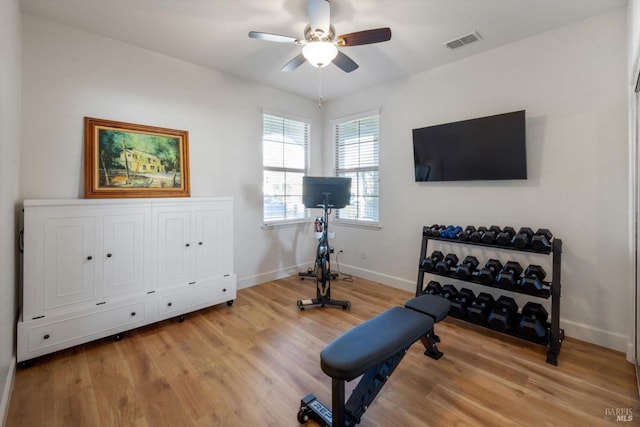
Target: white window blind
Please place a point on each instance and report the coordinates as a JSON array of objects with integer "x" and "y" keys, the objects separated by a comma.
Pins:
[
  {"x": 357, "y": 157},
  {"x": 284, "y": 146}
]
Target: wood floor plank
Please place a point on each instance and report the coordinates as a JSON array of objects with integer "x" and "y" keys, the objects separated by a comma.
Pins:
[
  {"x": 111, "y": 384},
  {"x": 251, "y": 363}
]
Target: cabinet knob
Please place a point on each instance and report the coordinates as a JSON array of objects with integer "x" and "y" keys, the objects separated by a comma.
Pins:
[
  {"x": 200, "y": 243},
  {"x": 169, "y": 304},
  {"x": 109, "y": 255},
  {"x": 187, "y": 245},
  {"x": 133, "y": 313},
  {"x": 89, "y": 258},
  {"x": 46, "y": 337},
  {"x": 224, "y": 290}
]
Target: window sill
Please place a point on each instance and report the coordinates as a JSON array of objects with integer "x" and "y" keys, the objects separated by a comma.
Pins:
[
  {"x": 284, "y": 224},
  {"x": 357, "y": 224}
]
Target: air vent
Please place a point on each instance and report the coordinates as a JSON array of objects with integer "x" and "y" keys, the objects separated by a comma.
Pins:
[{"x": 463, "y": 40}]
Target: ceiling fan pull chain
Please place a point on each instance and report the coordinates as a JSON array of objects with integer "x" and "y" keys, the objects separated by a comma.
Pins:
[{"x": 319, "y": 87}]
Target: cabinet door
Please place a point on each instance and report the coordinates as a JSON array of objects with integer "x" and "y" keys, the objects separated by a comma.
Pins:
[
  {"x": 123, "y": 255},
  {"x": 212, "y": 257},
  {"x": 69, "y": 273},
  {"x": 174, "y": 247}
]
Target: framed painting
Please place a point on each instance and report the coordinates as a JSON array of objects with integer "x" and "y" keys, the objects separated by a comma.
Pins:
[{"x": 130, "y": 160}]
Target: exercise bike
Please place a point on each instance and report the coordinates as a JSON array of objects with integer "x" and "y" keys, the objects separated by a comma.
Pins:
[{"x": 333, "y": 192}]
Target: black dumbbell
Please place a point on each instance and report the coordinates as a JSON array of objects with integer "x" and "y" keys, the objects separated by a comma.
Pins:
[
  {"x": 447, "y": 264},
  {"x": 428, "y": 231},
  {"x": 429, "y": 263},
  {"x": 449, "y": 291},
  {"x": 533, "y": 324},
  {"x": 464, "y": 234},
  {"x": 541, "y": 241},
  {"x": 465, "y": 270},
  {"x": 476, "y": 236},
  {"x": 481, "y": 307},
  {"x": 505, "y": 236},
  {"x": 531, "y": 283},
  {"x": 433, "y": 288},
  {"x": 489, "y": 236},
  {"x": 434, "y": 230},
  {"x": 503, "y": 315},
  {"x": 509, "y": 276},
  {"x": 460, "y": 303},
  {"x": 523, "y": 238},
  {"x": 488, "y": 274}
]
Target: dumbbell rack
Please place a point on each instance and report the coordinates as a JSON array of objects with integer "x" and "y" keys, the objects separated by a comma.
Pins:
[{"x": 550, "y": 289}]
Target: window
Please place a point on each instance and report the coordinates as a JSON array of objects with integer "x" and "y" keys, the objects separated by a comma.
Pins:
[
  {"x": 284, "y": 146},
  {"x": 357, "y": 157}
]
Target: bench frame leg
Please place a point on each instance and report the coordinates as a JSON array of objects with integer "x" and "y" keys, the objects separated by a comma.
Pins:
[
  {"x": 349, "y": 414},
  {"x": 323, "y": 302},
  {"x": 429, "y": 341}
]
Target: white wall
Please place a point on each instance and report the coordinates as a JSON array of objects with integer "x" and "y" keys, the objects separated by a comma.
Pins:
[
  {"x": 10, "y": 101},
  {"x": 572, "y": 84},
  {"x": 69, "y": 74},
  {"x": 633, "y": 30},
  {"x": 633, "y": 54}
]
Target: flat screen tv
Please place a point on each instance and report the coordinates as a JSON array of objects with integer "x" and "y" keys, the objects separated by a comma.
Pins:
[
  {"x": 486, "y": 148},
  {"x": 336, "y": 189}
]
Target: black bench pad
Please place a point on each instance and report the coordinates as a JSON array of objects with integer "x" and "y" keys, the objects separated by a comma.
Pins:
[
  {"x": 433, "y": 305},
  {"x": 373, "y": 342}
]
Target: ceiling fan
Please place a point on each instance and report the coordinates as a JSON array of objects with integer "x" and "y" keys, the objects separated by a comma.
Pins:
[{"x": 320, "y": 43}]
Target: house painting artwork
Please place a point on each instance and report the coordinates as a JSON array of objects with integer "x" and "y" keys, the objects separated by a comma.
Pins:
[{"x": 134, "y": 160}]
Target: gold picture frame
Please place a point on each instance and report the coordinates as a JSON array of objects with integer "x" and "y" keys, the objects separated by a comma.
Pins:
[{"x": 132, "y": 160}]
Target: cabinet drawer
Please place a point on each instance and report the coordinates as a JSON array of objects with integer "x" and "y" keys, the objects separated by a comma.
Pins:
[
  {"x": 85, "y": 328},
  {"x": 196, "y": 297}
]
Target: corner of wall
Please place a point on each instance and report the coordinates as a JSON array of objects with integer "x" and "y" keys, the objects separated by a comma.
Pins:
[{"x": 6, "y": 391}]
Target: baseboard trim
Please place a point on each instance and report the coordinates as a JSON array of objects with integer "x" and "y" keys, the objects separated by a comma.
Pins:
[
  {"x": 246, "y": 282},
  {"x": 385, "y": 279},
  {"x": 613, "y": 340},
  {"x": 631, "y": 353},
  {"x": 6, "y": 390}
]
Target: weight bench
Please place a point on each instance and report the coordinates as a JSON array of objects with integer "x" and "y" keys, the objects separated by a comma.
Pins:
[{"x": 372, "y": 350}]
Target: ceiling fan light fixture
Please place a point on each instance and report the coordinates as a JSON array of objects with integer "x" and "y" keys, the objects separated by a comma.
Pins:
[{"x": 320, "y": 53}]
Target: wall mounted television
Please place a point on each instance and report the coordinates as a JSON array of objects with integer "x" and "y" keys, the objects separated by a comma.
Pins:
[{"x": 485, "y": 148}]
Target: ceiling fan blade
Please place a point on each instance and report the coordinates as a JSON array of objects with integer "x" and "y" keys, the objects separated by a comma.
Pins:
[
  {"x": 319, "y": 16},
  {"x": 273, "y": 37},
  {"x": 345, "y": 63},
  {"x": 294, "y": 63},
  {"x": 365, "y": 37}
]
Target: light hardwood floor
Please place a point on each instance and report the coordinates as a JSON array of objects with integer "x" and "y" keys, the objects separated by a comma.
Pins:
[{"x": 250, "y": 364}]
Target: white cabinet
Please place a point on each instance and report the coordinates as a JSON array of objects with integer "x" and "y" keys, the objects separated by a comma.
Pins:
[
  {"x": 60, "y": 266},
  {"x": 81, "y": 255},
  {"x": 45, "y": 335},
  {"x": 125, "y": 254},
  {"x": 173, "y": 246},
  {"x": 98, "y": 267},
  {"x": 194, "y": 297},
  {"x": 212, "y": 260},
  {"x": 191, "y": 243}
]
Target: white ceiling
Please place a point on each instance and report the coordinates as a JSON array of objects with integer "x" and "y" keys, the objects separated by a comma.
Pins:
[{"x": 213, "y": 33}]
